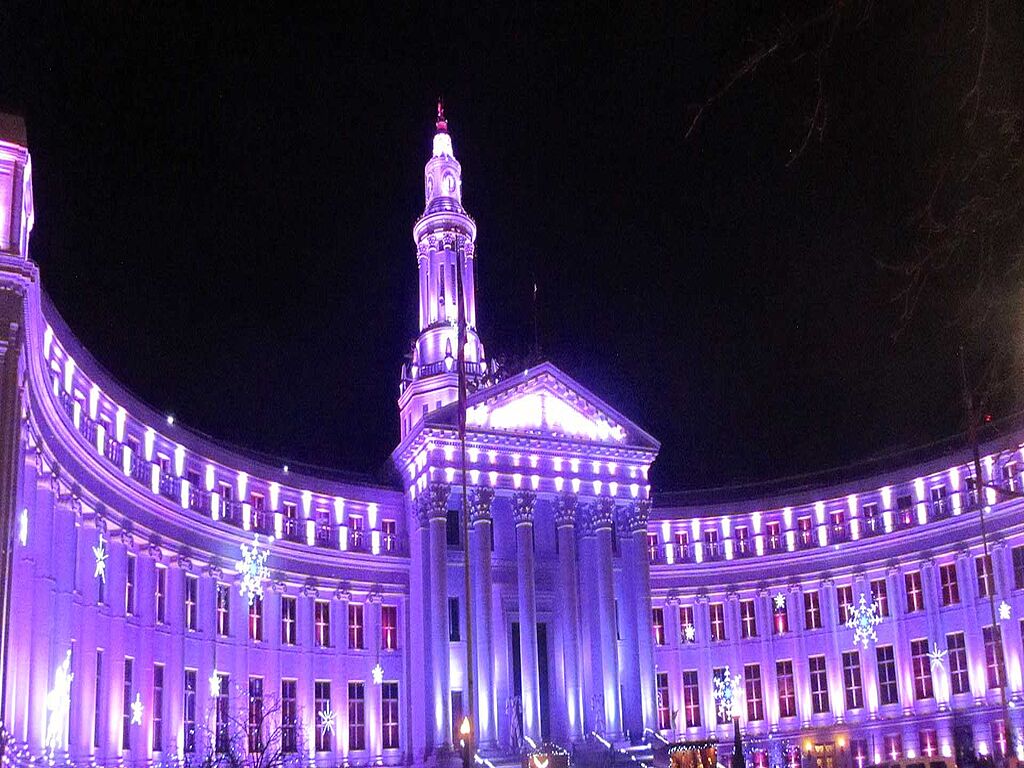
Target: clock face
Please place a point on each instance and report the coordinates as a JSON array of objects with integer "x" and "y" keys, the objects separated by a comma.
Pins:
[{"x": 449, "y": 184}]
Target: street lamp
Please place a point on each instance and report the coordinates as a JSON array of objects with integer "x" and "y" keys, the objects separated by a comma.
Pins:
[{"x": 465, "y": 741}]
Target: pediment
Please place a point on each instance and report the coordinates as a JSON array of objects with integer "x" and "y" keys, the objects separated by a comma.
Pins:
[{"x": 545, "y": 402}]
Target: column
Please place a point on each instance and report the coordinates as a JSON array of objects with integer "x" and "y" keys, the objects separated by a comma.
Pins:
[
  {"x": 523, "y": 503},
  {"x": 641, "y": 514},
  {"x": 372, "y": 619},
  {"x": 630, "y": 623},
  {"x": 603, "y": 523},
  {"x": 436, "y": 501},
  {"x": 834, "y": 657},
  {"x": 590, "y": 636},
  {"x": 480, "y": 533},
  {"x": 565, "y": 524}
]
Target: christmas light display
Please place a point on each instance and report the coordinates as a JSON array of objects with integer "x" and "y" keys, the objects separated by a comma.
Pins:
[
  {"x": 100, "y": 553},
  {"x": 326, "y": 719},
  {"x": 1004, "y": 611},
  {"x": 689, "y": 632},
  {"x": 937, "y": 656},
  {"x": 137, "y": 710},
  {"x": 727, "y": 687},
  {"x": 58, "y": 705},
  {"x": 253, "y": 569},
  {"x": 863, "y": 618},
  {"x": 378, "y": 674}
]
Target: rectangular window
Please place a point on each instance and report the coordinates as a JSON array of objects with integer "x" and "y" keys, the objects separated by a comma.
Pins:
[
  {"x": 658, "y": 625},
  {"x": 691, "y": 698},
  {"x": 289, "y": 623},
  {"x": 355, "y": 626},
  {"x": 389, "y": 535},
  {"x": 191, "y": 602},
  {"x": 922, "y": 667},
  {"x": 787, "y": 688},
  {"x": 950, "y": 585},
  {"x": 291, "y": 519},
  {"x": 872, "y": 522},
  {"x": 892, "y": 743},
  {"x": 453, "y": 528},
  {"x": 389, "y": 714},
  {"x": 742, "y": 537},
  {"x": 853, "y": 686},
  {"x": 880, "y": 595},
  {"x": 888, "y": 689},
  {"x": 780, "y": 614},
  {"x": 98, "y": 699},
  {"x": 223, "y": 610},
  {"x": 158, "y": 707},
  {"x": 356, "y": 532},
  {"x": 773, "y": 536},
  {"x": 993, "y": 656},
  {"x": 752, "y": 687},
  {"x": 983, "y": 567},
  {"x": 664, "y": 704},
  {"x": 289, "y": 716},
  {"x": 819, "y": 684},
  {"x": 322, "y": 623},
  {"x": 682, "y": 542},
  {"x": 161, "y": 594},
  {"x": 129, "y": 586},
  {"x": 256, "y": 619},
  {"x": 956, "y": 652},
  {"x": 711, "y": 544},
  {"x": 803, "y": 527},
  {"x": 1017, "y": 554},
  {"x": 222, "y": 713},
  {"x": 356, "y": 716},
  {"x": 844, "y": 601},
  {"x": 454, "y": 625},
  {"x": 748, "y": 619},
  {"x": 255, "y": 729},
  {"x": 998, "y": 730},
  {"x": 389, "y": 627},
  {"x": 717, "y": 612},
  {"x": 929, "y": 742},
  {"x": 915, "y": 594},
  {"x": 188, "y": 709},
  {"x": 323, "y": 728},
  {"x": 812, "y": 610},
  {"x": 126, "y": 706},
  {"x": 652, "y": 547},
  {"x": 687, "y": 629}
]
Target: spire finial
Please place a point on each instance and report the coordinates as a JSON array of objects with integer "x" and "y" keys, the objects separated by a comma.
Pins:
[{"x": 442, "y": 124}]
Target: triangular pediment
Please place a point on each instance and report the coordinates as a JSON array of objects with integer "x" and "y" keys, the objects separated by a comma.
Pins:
[{"x": 543, "y": 401}]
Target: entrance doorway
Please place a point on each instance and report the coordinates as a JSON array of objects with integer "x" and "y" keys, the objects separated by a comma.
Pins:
[{"x": 542, "y": 674}]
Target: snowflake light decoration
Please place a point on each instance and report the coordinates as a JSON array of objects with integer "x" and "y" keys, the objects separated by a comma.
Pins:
[
  {"x": 689, "y": 632},
  {"x": 1004, "y": 611},
  {"x": 137, "y": 710},
  {"x": 326, "y": 719},
  {"x": 727, "y": 687},
  {"x": 378, "y": 674},
  {"x": 253, "y": 569},
  {"x": 780, "y": 601},
  {"x": 937, "y": 656},
  {"x": 863, "y": 618},
  {"x": 214, "y": 682},
  {"x": 100, "y": 552}
]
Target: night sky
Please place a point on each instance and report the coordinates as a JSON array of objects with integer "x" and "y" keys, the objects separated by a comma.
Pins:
[{"x": 224, "y": 206}]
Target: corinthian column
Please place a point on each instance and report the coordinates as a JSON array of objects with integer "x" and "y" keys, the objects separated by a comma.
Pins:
[
  {"x": 635, "y": 617},
  {"x": 483, "y": 624},
  {"x": 565, "y": 523},
  {"x": 522, "y": 513},
  {"x": 436, "y": 510},
  {"x": 603, "y": 521}
]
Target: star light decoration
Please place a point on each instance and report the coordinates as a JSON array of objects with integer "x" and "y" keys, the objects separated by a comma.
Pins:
[
  {"x": 1004, "y": 611},
  {"x": 937, "y": 656},
  {"x": 780, "y": 601},
  {"x": 326, "y": 718},
  {"x": 863, "y": 618},
  {"x": 727, "y": 687},
  {"x": 100, "y": 552},
  {"x": 214, "y": 682},
  {"x": 378, "y": 674},
  {"x": 689, "y": 632},
  {"x": 253, "y": 569},
  {"x": 137, "y": 710}
]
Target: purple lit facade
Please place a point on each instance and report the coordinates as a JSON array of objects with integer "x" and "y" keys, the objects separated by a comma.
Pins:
[{"x": 591, "y": 608}]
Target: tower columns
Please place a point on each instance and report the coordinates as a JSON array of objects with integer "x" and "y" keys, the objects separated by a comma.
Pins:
[
  {"x": 437, "y": 517},
  {"x": 565, "y": 524},
  {"x": 603, "y": 522},
  {"x": 523, "y": 503},
  {"x": 480, "y": 536}
]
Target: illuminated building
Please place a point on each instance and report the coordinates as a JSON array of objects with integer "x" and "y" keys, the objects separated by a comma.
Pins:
[{"x": 160, "y": 583}]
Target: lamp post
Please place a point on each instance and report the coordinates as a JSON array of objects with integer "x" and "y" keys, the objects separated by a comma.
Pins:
[{"x": 466, "y": 742}]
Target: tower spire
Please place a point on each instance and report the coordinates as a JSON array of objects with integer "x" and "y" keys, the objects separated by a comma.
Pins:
[{"x": 442, "y": 124}]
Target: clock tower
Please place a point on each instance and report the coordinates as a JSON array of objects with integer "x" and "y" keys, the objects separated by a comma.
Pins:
[{"x": 445, "y": 238}]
